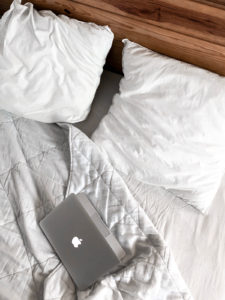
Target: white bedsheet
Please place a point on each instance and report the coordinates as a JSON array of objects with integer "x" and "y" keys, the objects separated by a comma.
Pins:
[{"x": 197, "y": 241}]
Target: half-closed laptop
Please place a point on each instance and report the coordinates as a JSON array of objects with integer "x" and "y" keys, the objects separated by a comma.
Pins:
[{"x": 85, "y": 245}]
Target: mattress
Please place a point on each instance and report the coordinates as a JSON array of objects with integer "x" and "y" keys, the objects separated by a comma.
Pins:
[{"x": 197, "y": 241}]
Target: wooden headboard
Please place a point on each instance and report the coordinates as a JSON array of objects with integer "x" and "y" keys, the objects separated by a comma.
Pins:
[{"x": 189, "y": 30}]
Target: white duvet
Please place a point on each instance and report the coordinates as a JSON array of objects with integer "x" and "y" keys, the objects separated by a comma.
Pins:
[{"x": 40, "y": 165}]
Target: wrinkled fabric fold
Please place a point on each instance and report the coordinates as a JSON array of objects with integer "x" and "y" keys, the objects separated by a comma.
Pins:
[
  {"x": 41, "y": 165},
  {"x": 50, "y": 66},
  {"x": 166, "y": 126}
]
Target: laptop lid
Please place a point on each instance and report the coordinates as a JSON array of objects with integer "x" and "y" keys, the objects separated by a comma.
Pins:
[{"x": 86, "y": 247}]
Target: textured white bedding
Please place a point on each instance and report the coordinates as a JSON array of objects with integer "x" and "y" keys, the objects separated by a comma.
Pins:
[
  {"x": 197, "y": 241},
  {"x": 199, "y": 249},
  {"x": 37, "y": 172}
]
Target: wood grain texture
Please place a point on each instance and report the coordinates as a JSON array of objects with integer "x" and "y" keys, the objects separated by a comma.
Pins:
[
  {"x": 184, "y": 16},
  {"x": 192, "y": 31},
  {"x": 214, "y": 3}
]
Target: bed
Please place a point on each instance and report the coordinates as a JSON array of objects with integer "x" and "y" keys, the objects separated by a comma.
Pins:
[
  {"x": 191, "y": 31},
  {"x": 198, "y": 251}
]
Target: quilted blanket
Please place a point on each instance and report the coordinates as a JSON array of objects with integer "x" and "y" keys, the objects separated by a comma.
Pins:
[{"x": 40, "y": 165}]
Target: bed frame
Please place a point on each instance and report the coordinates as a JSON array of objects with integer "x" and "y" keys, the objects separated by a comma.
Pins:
[{"x": 189, "y": 30}]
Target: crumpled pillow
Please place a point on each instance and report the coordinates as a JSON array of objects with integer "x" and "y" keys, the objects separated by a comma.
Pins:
[
  {"x": 50, "y": 66},
  {"x": 166, "y": 127}
]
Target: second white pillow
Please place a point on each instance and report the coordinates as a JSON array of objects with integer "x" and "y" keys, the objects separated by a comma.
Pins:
[{"x": 167, "y": 125}]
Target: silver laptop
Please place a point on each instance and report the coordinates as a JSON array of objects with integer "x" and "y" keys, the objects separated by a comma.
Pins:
[{"x": 86, "y": 247}]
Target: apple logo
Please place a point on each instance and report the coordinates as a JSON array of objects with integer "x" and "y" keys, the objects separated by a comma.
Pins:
[{"x": 76, "y": 242}]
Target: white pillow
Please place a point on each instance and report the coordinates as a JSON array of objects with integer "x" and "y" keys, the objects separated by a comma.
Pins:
[
  {"x": 50, "y": 66},
  {"x": 167, "y": 125}
]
